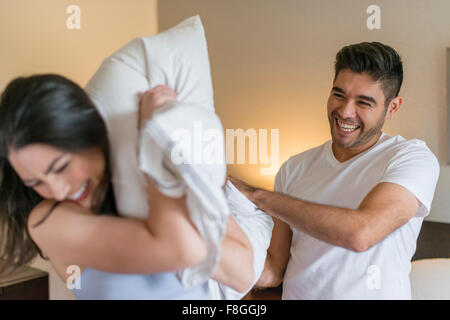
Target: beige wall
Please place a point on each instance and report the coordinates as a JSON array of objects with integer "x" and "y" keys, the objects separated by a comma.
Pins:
[
  {"x": 34, "y": 39},
  {"x": 272, "y": 66}
]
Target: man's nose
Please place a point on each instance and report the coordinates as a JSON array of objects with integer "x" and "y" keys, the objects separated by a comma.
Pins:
[{"x": 347, "y": 110}]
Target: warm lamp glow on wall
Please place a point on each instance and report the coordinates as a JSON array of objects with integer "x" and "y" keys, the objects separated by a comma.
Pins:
[
  {"x": 256, "y": 155},
  {"x": 283, "y": 112},
  {"x": 256, "y": 152}
]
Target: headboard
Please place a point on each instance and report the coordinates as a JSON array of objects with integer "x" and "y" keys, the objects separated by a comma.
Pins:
[{"x": 433, "y": 241}]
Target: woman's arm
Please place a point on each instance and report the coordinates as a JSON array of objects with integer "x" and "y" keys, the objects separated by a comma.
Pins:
[
  {"x": 167, "y": 241},
  {"x": 278, "y": 255},
  {"x": 235, "y": 267}
]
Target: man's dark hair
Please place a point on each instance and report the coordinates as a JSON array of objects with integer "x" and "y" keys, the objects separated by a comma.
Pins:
[{"x": 380, "y": 61}]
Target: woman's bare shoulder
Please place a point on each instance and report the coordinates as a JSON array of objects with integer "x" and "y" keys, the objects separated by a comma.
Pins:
[
  {"x": 40, "y": 213},
  {"x": 46, "y": 209},
  {"x": 50, "y": 223},
  {"x": 47, "y": 231}
]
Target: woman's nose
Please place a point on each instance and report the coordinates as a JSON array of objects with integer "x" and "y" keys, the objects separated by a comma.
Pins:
[{"x": 60, "y": 189}]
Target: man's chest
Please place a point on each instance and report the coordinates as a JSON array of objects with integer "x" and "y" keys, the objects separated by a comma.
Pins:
[{"x": 340, "y": 186}]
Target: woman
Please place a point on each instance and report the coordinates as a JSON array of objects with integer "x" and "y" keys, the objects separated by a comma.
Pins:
[{"x": 56, "y": 199}]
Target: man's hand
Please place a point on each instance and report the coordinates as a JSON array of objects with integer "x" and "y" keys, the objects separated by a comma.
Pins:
[
  {"x": 243, "y": 187},
  {"x": 153, "y": 99}
]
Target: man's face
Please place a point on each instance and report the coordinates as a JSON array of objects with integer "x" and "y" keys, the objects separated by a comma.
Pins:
[{"x": 356, "y": 110}]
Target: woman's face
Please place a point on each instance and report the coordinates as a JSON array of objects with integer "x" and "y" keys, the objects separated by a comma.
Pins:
[{"x": 59, "y": 175}]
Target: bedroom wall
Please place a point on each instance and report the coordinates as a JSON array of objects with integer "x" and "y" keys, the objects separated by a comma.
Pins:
[
  {"x": 272, "y": 68},
  {"x": 35, "y": 38}
]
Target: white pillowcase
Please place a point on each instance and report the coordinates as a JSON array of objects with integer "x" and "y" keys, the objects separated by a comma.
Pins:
[
  {"x": 430, "y": 279},
  {"x": 192, "y": 167},
  {"x": 179, "y": 59}
]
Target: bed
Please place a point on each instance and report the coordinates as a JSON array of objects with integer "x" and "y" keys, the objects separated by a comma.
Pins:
[{"x": 430, "y": 271}]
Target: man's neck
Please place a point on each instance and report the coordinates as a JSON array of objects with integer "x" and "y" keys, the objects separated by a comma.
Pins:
[{"x": 344, "y": 154}]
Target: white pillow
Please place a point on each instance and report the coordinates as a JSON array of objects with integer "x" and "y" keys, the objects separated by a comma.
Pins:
[
  {"x": 177, "y": 58},
  {"x": 430, "y": 279},
  {"x": 182, "y": 150}
]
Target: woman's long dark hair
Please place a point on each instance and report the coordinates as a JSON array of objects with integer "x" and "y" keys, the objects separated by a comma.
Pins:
[{"x": 47, "y": 109}]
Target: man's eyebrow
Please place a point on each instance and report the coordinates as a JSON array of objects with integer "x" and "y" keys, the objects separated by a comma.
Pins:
[
  {"x": 367, "y": 98},
  {"x": 337, "y": 89},
  {"x": 49, "y": 169}
]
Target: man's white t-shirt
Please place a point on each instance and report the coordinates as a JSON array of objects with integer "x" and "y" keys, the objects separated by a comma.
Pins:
[{"x": 318, "y": 270}]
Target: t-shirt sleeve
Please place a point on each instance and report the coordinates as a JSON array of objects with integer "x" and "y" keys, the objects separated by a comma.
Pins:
[
  {"x": 415, "y": 168},
  {"x": 280, "y": 179}
]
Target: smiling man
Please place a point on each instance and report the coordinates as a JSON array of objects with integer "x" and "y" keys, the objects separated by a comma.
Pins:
[{"x": 348, "y": 213}]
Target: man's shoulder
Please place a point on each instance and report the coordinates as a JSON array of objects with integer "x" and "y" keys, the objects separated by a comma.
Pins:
[
  {"x": 400, "y": 145},
  {"x": 399, "y": 149},
  {"x": 298, "y": 164},
  {"x": 307, "y": 155}
]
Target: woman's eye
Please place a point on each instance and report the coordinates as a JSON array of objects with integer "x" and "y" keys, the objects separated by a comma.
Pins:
[
  {"x": 338, "y": 95},
  {"x": 37, "y": 184},
  {"x": 63, "y": 167}
]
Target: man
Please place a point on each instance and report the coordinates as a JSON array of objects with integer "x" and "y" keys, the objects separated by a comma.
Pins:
[{"x": 347, "y": 213}]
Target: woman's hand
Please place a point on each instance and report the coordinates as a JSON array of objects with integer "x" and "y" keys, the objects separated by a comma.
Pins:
[{"x": 153, "y": 99}]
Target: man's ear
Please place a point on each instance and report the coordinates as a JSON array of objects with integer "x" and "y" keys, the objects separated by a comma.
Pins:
[{"x": 393, "y": 107}]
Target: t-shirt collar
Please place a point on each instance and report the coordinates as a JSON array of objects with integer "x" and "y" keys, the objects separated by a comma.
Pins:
[{"x": 334, "y": 161}]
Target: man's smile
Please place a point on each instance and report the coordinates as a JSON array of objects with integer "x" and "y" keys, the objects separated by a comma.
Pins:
[{"x": 345, "y": 127}]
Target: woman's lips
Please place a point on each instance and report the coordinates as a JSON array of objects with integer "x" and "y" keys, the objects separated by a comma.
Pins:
[{"x": 82, "y": 193}]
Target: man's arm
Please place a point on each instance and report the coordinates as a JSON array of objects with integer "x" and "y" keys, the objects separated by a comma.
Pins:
[
  {"x": 278, "y": 255},
  {"x": 387, "y": 207}
]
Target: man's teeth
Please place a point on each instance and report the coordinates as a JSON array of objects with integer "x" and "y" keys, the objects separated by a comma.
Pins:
[
  {"x": 346, "y": 127},
  {"x": 78, "y": 194}
]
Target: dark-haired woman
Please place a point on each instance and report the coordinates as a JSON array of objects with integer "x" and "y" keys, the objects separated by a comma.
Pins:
[{"x": 56, "y": 199}]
